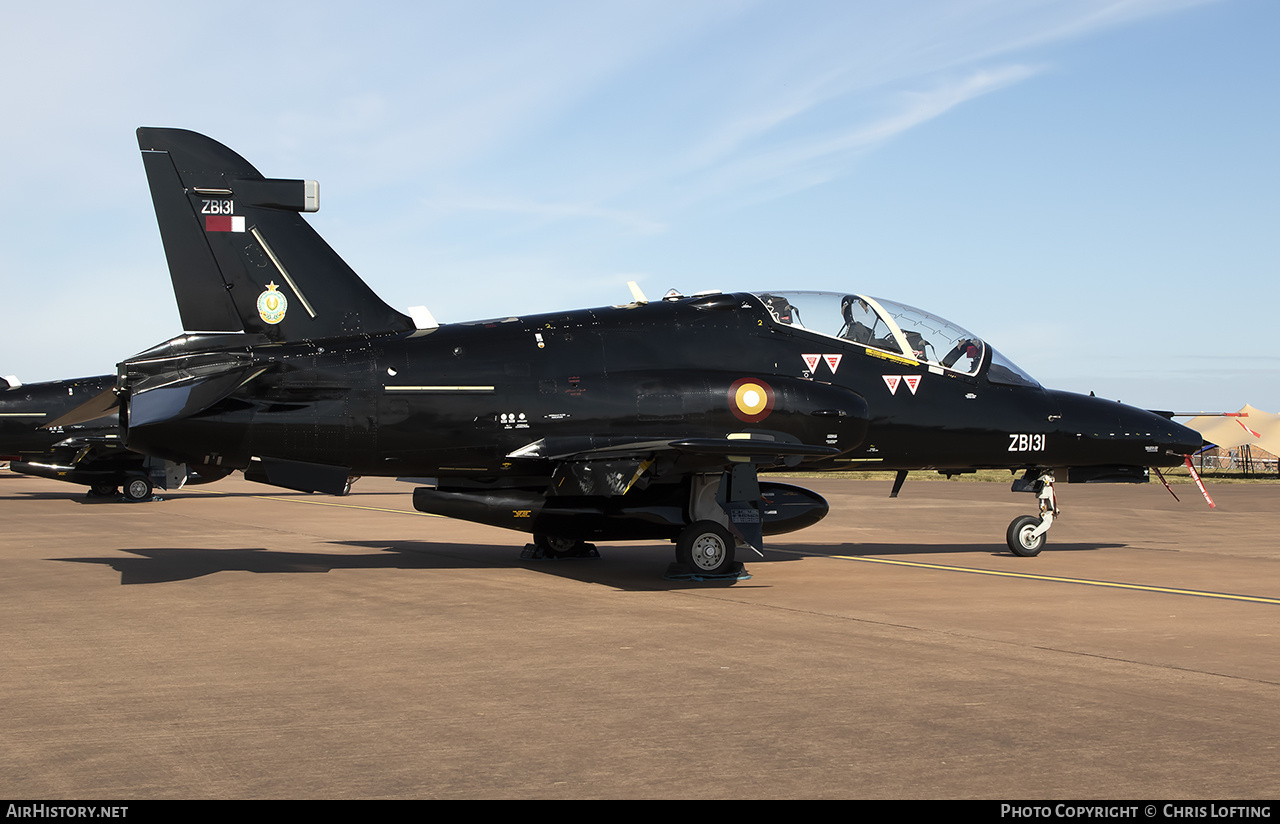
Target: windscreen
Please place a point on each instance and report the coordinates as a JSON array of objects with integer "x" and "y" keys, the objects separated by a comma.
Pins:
[{"x": 892, "y": 327}]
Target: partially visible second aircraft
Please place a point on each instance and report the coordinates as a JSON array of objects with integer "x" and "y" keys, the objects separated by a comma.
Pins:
[{"x": 88, "y": 452}]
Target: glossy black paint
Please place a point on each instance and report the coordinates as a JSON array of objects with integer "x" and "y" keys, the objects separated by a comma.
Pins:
[
  {"x": 606, "y": 423},
  {"x": 26, "y": 408},
  {"x": 659, "y": 511}
]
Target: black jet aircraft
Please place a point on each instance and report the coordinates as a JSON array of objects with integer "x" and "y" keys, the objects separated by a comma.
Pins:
[
  {"x": 90, "y": 451},
  {"x": 649, "y": 420}
]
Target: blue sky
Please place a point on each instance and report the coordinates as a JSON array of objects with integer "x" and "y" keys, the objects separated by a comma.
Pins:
[{"x": 1091, "y": 185}]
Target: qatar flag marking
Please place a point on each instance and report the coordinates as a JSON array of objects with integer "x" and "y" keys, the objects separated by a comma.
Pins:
[{"x": 224, "y": 223}]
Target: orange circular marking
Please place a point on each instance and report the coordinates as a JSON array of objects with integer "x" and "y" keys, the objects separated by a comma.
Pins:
[{"x": 750, "y": 399}]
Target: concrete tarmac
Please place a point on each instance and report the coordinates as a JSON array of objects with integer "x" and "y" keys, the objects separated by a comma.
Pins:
[{"x": 235, "y": 641}]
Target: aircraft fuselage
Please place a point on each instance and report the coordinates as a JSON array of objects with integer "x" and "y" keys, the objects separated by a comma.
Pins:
[{"x": 500, "y": 397}]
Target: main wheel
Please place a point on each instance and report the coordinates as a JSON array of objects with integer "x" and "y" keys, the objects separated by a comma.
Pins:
[
  {"x": 1019, "y": 536},
  {"x": 137, "y": 488},
  {"x": 705, "y": 546},
  {"x": 554, "y": 546},
  {"x": 105, "y": 489}
]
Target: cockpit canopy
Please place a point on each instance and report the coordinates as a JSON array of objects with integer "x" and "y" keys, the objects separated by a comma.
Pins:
[{"x": 891, "y": 327}]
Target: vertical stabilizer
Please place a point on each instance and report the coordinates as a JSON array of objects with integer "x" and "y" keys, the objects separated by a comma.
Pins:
[{"x": 241, "y": 256}]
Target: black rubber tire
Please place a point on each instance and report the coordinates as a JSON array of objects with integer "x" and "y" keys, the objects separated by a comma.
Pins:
[
  {"x": 554, "y": 546},
  {"x": 707, "y": 547},
  {"x": 1019, "y": 536},
  {"x": 137, "y": 488},
  {"x": 104, "y": 490}
]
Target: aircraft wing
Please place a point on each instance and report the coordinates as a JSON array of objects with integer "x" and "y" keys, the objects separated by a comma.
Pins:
[
  {"x": 732, "y": 447},
  {"x": 586, "y": 448},
  {"x": 611, "y": 466}
]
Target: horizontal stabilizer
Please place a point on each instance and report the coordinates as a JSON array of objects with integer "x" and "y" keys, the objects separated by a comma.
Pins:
[{"x": 182, "y": 399}]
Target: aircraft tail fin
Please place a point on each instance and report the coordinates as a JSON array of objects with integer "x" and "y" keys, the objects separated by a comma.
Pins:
[{"x": 241, "y": 256}]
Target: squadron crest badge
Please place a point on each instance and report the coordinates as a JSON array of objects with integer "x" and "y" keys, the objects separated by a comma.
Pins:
[{"x": 272, "y": 305}]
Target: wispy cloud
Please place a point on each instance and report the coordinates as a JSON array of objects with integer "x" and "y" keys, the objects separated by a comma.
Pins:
[
  {"x": 790, "y": 164},
  {"x": 751, "y": 102}
]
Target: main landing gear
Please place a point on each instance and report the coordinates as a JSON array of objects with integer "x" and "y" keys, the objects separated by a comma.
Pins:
[
  {"x": 725, "y": 511},
  {"x": 706, "y": 547},
  {"x": 1026, "y": 534},
  {"x": 137, "y": 488},
  {"x": 555, "y": 546}
]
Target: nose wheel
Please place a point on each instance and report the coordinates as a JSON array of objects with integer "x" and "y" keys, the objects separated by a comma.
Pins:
[
  {"x": 1026, "y": 534},
  {"x": 1022, "y": 536}
]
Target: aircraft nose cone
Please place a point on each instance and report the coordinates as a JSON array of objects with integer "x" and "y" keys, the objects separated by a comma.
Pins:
[
  {"x": 1162, "y": 435},
  {"x": 1182, "y": 440},
  {"x": 1167, "y": 442},
  {"x": 1107, "y": 432}
]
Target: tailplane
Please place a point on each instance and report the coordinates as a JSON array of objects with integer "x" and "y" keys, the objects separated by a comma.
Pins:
[{"x": 241, "y": 256}]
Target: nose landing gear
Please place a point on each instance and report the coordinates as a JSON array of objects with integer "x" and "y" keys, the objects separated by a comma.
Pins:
[{"x": 1026, "y": 534}]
